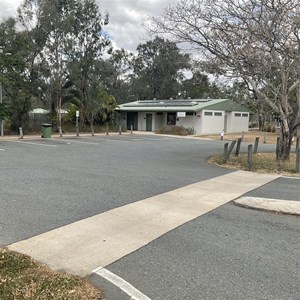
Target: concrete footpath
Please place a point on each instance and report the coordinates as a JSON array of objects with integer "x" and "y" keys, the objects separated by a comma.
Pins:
[{"x": 95, "y": 242}]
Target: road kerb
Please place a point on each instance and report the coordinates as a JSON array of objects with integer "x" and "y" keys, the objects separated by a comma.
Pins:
[{"x": 271, "y": 205}]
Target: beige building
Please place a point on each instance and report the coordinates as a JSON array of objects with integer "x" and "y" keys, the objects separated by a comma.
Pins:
[{"x": 204, "y": 116}]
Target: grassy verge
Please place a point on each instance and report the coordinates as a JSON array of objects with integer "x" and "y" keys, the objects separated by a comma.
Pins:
[
  {"x": 23, "y": 278},
  {"x": 262, "y": 163}
]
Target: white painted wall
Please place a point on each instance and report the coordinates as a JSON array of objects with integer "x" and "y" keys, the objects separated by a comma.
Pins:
[
  {"x": 237, "y": 123},
  {"x": 159, "y": 121},
  {"x": 186, "y": 122},
  {"x": 198, "y": 123},
  {"x": 212, "y": 124},
  {"x": 201, "y": 123},
  {"x": 142, "y": 120}
]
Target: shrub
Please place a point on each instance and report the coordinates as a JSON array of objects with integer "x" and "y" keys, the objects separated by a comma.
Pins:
[{"x": 175, "y": 130}]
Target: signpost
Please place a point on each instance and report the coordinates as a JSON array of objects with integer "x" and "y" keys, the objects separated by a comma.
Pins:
[{"x": 77, "y": 127}]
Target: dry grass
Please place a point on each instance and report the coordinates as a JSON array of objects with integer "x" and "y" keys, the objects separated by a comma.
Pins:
[
  {"x": 262, "y": 163},
  {"x": 23, "y": 278},
  {"x": 249, "y": 136}
]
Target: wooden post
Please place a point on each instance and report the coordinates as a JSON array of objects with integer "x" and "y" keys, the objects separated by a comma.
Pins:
[
  {"x": 230, "y": 149},
  {"x": 238, "y": 147},
  {"x": 250, "y": 158},
  {"x": 256, "y": 145},
  {"x": 277, "y": 149},
  {"x": 120, "y": 129},
  {"x": 265, "y": 137},
  {"x": 225, "y": 153},
  {"x": 297, "y": 160}
]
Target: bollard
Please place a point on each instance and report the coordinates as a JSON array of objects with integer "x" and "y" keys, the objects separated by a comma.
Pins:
[
  {"x": 21, "y": 133},
  {"x": 131, "y": 128},
  {"x": 222, "y": 135},
  {"x": 265, "y": 137},
  {"x": 243, "y": 135},
  {"x": 120, "y": 129},
  {"x": 77, "y": 127},
  {"x": 256, "y": 145},
  {"x": 250, "y": 158},
  {"x": 238, "y": 147},
  {"x": 297, "y": 169},
  {"x": 60, "y": 131},
  {"x": 225, "y": 153}
]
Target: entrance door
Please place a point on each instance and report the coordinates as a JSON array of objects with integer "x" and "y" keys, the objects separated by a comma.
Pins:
[{"x": 148, "y": 122}]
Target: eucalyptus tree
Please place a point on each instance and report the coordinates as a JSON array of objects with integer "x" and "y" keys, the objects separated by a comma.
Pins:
[
  {"x": 115, "y": 75},
  {"x": 56, "y": 18},
  {"x": 158, "y": 69},
  {"x": 86, "y": 45},
  {"x": 19, "y": 67},
  {"x": 255, "y": 40}
]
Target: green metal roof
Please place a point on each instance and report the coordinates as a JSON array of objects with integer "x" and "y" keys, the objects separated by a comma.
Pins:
[{"x": 184, "y": 105}]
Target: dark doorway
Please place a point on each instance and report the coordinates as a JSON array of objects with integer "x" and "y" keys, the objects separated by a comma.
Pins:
[{"x": 132, "y": 119}]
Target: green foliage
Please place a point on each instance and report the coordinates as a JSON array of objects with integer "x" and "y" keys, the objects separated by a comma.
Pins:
[
  {"x": 4, "y": 113},
  {"x": 108, "y": 106},
  {"x": 158, "y": 70},
  {"x": 175, "y": 130}
]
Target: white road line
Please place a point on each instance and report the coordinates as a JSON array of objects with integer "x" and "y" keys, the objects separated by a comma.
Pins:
[
  {"x": 2, "y": 150},
  {"x": 73, "y": 141},
  {"x": 36, "y": 144},
  {"x": 126, "y": 287}
]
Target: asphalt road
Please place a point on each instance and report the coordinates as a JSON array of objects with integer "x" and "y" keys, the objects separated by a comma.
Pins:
[
  {"x": 230, "y": 253},
  {"x": 48, "y": 183}
]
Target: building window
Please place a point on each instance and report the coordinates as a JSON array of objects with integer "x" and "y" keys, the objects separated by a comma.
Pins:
[
  {"x": 237, "y": 114},
  {"x": 218, "y": 114},
  {"x": 208, "y": 113},
  {"x": 245, "y": 115},
  {"x": 171, "y": 118}
]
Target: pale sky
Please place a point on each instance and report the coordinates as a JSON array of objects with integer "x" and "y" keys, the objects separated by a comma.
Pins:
[{"x": 126, "y": 18}]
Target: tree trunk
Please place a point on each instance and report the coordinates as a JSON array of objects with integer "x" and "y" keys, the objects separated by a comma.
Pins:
[
  {"x": 285, "y": 142},
  {"x": 92, "y": 129},
  {"x": 58, "y": 111}
]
